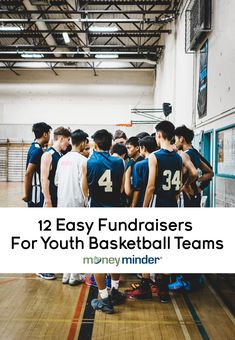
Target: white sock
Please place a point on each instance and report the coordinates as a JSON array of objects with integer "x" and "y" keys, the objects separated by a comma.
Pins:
[
  {"x": 74, "y": 276},
  {"x": 114, "y": 284},
  {"x": 66, "y": 276},
  {"x": 104, "y": 293}
]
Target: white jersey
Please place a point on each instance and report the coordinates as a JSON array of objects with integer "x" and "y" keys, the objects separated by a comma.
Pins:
[{"x": 68, "y": 178}]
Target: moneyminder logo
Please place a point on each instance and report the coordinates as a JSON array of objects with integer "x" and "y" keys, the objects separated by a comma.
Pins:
[{"x": 122, "y": 260}]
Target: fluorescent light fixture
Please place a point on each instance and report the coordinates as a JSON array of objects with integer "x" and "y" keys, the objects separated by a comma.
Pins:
[
  {"x": 103, "y": 29},
  {"x": 32, "y": 55},
  {"x": 11, "y": 28},
  {"x": 66, "y": 37},
  {"x": 106, "y": 56}
]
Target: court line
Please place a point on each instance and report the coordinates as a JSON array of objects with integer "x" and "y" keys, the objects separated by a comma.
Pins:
[
  {"x": 87, "y": 324},
  {"x": 77, "y": 312},
  {"x": 154, "y": 322},
  {"x": 181, "y": 319},
  {"x": 221, "y": 303},
  {"x": 196, "y": 318},
  {"x": 6, "y": 281}
]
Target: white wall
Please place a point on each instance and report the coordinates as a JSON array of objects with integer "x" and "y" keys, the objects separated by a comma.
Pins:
[
  {"x": 73, "y": 97},
  {"x": 178, "y": 72},
  {"x": 175, "y": 76}
]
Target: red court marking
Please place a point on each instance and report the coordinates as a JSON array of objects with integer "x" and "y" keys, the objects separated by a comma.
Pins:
[
  {"x": 74, "y": 324},
  {"x": 6, "y": 281}
]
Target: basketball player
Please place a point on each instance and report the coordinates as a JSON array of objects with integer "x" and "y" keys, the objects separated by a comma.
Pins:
[
  {"x": 133, "y": 149},
  {"x": 119, "y": 137},
  {"x": 164, "y": 183},
  {"x": 102, "y": 180},
  {"x": 32, "y": 183},
  {"x": 87, "y": 149},
  {"x": 183, "y": 141},
  {"x": 191, "y": 198},
  {"x": 49, "y": 164},
  {"x": 103, "y": 174},
  {"x": 140, "y": 171}
]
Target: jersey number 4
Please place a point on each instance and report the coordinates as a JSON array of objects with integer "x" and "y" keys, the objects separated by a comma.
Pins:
[
  {"x": 105, "y": 181},
  {"x": 172, "y": 180}
]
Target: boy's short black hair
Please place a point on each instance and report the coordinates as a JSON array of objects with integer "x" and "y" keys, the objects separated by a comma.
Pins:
[
  {"x": 40, "y": 128},
  {"x": 103, "y": 139},
  {"x": 183, "y": 131},
  {"x": 149, "y": 143},
  {"x": 119, "y": 149},
  {"x": 166, "y": 128},
  {"x": 78, "y": 136},
  {"x": 119, "y": 134},
  {"x": 142, "y": 135},
  {"x": 133, "y": 141}
]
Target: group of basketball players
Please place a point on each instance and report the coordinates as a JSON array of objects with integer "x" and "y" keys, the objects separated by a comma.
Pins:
[{"x": 142, "y": 171}]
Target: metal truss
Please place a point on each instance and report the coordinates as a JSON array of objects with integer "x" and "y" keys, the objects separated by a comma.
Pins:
[{"x": 37, "y": 30}]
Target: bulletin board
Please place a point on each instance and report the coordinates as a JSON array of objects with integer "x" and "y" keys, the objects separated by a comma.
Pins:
[{"x": 226, "y": 152}]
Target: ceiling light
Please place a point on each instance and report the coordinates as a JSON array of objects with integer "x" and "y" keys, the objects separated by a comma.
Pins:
[
  {"x": 106, "y": 56},
  {"x": 103, "y": 29},
  {"x": 11, "y": 28},
  {"x": 66, "y": 37},
  {"x": 32, "y": 55}
]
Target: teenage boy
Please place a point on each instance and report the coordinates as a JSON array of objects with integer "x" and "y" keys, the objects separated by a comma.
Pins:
[
  {"x": 49, "y": 164},
  {"x": 133, "y": 150},
  {"x": 32, "y": 183},
  {"x": 183, "y": 141},
  {"x": 164, "y": 183},
  {"x": 141, "y": 170},
  {"x": 102, "y": 181}
]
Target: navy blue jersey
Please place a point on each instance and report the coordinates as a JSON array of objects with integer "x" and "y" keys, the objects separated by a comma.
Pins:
[
  {"x": 104, "y": 177},
  {"x": 34, "y": 157},
  {"x": 195, "y": 200},
  {"x": 168, "y": 179},
  {"x": 140, "y": 179},
  {"x": 52, "y": 187}
]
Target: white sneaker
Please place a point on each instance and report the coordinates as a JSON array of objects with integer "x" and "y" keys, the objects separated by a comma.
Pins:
[
  {"x": 66, "y": 278},
  {"x": 46, "y": 276}
]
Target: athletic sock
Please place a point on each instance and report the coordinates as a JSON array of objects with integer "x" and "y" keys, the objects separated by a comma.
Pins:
[
  {"x": 115, "y": 284},
  {"x": 104, "y": 293}
]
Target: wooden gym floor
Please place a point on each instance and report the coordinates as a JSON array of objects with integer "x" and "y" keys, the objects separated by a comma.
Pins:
[{"x": 32, "y": 308}]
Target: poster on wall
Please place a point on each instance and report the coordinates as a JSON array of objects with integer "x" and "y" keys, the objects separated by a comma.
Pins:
[
  {"x": 226, "y": 152},
  {"x": 202, "y": 91}
]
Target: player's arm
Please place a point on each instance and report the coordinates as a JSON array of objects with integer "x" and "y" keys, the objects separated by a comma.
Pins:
[
  {"x": 152, "y": 161},
  {"x": 135, "y": 199},
  {"x": 137, "y": 183},
  {"x": 192, "y": 173},
  {"x": 84, "y": 180},
  {"x": 31, "y": 168},
  {"x": 56, "y": 180},
  {"x": 208, "y": 173},
  {"x": 127, "y": 187},
  {"x": 45, "y": 169},
  {"x": 123, "y": 183}
]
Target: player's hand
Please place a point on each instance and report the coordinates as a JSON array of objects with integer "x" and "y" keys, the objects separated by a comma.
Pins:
[
  {"x": 47, "y": 204},
  {"x": 187, "y": 189},
  {"x": 25, "y": 199}
]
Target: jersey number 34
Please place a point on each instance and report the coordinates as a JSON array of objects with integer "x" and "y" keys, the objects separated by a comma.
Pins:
[
  {"x": 172, "y": 180},
  {"x": 106, "y": 182}
]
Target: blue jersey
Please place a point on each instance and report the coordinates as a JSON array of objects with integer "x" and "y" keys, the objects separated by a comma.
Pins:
[
  {"x": 194, "y": 200},
  {"x": 34, "y": 157},
  {"x": 140, "y": 179},
  {"x": 104, "y": 177},
  {"x": 168, "y": 179},
  {"x": 52, "y": 187}
]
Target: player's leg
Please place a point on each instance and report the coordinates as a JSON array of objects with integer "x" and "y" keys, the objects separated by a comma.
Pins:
[{"x": 104, "y": 304}]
